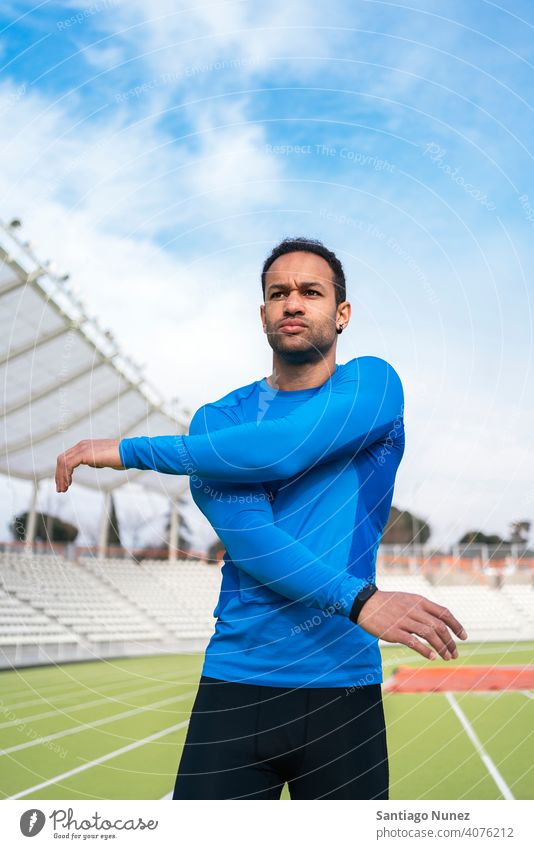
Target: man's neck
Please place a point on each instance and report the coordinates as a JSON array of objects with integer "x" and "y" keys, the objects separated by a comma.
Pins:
[{"x": 292, "y": 376}]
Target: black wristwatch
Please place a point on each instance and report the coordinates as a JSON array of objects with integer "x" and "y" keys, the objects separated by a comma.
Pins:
[{"x": 364, "y": 594}]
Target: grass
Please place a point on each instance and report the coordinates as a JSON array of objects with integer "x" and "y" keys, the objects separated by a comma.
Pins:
[{"x": 431, "y": 755}]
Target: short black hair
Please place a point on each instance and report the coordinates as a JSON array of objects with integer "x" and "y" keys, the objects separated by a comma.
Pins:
[{"x": 310, "y": 246}]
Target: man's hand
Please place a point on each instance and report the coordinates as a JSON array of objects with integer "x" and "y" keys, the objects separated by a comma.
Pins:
[
  {"x": 396, "y": 617},
  {"x": 98, "y": 453}
]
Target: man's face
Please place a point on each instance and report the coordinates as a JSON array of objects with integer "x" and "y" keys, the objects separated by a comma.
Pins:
[{"x": 299, "y": 287}]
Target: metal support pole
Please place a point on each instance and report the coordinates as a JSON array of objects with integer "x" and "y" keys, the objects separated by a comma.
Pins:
[
  {"x": 173, "y": 533},
  {"x": 104, "y": 525},
  {"x": 31, "y": 520}
]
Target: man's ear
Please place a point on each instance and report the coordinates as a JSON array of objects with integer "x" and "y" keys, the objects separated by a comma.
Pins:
[
  {"x": 343, "y": 313},
  {"x": 262, "y": 316}
]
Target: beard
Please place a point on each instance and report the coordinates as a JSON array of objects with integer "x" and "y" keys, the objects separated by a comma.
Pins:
[{"x": 310, "y": 345}]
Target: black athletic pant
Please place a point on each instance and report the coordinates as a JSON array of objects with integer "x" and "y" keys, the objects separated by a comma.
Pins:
[{"x": 245, "y": 741}]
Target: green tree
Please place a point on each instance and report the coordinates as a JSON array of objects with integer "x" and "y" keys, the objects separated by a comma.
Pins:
[
  {"x": 480, "y": 538},
  {"x": 47, "y": 527},
  {"x": 519, "y": 531},
  {"x": 113, "y": 531},
  {"x": 404, "y": 528}
]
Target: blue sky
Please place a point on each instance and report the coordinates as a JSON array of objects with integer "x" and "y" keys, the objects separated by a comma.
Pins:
[{"x": 158, "y": 151}]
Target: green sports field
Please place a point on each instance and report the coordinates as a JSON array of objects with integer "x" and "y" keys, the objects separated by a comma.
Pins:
[{"x": 114, "y": 729}]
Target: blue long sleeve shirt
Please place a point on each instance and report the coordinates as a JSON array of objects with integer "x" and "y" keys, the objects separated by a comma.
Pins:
[{"x": 298, "y": 485}]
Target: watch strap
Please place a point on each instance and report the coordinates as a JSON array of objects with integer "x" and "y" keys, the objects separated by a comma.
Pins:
[{"x": 364, "y": 595}]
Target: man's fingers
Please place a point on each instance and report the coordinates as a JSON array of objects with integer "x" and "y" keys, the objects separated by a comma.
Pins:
[
  {"x": 445, "y": 615},
  {"x": 413, "y": 643},
  {"x": 437, "y": 634},
  {"x": 404, "y": 617},
  {"x": 63, "y": 472},
  {"x": 59, "y": 473}
]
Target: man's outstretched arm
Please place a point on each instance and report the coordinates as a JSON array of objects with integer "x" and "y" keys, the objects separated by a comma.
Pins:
[{"x": 364, "y": 406}]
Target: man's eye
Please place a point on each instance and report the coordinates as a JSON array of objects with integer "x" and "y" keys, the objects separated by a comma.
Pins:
[{"x": 315, "y": 292}]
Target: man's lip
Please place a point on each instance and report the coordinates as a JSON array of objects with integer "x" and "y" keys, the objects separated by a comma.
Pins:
[{"x": 292, "y": 324}]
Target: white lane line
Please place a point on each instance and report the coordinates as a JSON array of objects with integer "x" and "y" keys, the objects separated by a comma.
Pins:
[
  {"x": 63, "y": 710},
  {"x": 90, "y": 764},
  {"x": 72, "y": 684},
  {"x": 81, "y": 687},
  {"x": 526, "y": 693},
  {"x": 490, "y": 766},
  {"x": 85, "y": 726},
  {"x": 45, "y": 699},
  {"x": 24, "y": 692}
]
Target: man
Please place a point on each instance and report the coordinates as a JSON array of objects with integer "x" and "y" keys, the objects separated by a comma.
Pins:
[{"x": 295, "y": 472}]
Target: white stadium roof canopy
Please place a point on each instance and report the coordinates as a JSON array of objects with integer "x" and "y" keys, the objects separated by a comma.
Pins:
[{"x": 63, "y": 379}]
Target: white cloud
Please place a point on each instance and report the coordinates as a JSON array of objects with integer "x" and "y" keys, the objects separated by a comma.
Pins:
[
  {"x": 104, "y": 57},
  {"x": 177, "y": 38}
]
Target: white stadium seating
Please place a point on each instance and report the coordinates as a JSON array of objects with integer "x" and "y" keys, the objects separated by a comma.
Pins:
[{"x": 53, "y": 609}]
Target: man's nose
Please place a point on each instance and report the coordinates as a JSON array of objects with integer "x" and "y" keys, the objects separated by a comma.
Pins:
[{"x": 293, "y": 302}]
